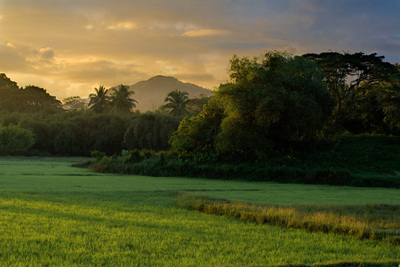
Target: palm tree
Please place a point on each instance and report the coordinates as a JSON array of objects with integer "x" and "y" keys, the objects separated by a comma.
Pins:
[
  {"x": 121, "y": 101},
  {"x": 99, "y": 100},
  {"x": 177, "y": 102}
]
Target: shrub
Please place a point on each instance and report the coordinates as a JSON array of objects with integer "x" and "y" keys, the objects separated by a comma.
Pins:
[{"x": 15, "y": 140}]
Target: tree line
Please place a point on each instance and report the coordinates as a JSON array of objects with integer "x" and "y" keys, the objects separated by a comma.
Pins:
[
  {"x": 30, "y": 118},
  {"x": 273, "y": 102}
]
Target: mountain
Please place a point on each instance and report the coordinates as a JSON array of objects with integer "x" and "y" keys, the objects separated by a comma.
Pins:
[{"x": 150, "y": 94}]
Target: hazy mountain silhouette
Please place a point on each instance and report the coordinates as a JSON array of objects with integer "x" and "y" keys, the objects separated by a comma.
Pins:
[{"x": 150, "y": 94}]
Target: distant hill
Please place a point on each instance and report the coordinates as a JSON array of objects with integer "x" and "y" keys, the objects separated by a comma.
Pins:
[{"x": 150, "y": 94}]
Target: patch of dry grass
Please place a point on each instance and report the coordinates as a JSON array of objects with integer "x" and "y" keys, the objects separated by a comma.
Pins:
[{"x": 375, "y": 222}]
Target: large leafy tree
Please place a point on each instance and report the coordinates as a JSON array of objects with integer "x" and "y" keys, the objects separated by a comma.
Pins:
[
  {"x": 277, "y": 99},
  {"x": 99, "y": 100},
  {"x": 28, "y": 99},
  {"x": 121, "y": 102},
  {"x": 177, "y": 102},
  {"x": 197, "y": 133},
  {"x": 353, "y": 80},
  {"x": 356, "y": 70},
  {"x": 271, "y": 101},
  {"x": 34, "y": 98}
]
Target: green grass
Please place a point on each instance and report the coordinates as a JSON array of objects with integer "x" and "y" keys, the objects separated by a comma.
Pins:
[{"x": 54, "y": 215}]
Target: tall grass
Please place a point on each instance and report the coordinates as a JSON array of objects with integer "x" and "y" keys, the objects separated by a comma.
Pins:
[{"x": 374, "y": 222}]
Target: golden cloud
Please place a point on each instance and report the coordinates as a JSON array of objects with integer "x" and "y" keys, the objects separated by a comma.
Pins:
[
  {"x": 206, "y": 32},
  {"x": 127, "y": 25}
]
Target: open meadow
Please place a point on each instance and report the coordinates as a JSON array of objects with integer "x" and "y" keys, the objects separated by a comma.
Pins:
[{"x": 52, "y": 214}]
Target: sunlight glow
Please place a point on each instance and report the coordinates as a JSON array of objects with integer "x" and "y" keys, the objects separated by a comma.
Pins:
[
  {"x": 206, "y": 32},
  {"x": 123, "y": 26}
]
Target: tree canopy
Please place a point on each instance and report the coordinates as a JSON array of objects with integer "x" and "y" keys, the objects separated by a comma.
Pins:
[
  {"x": 34, "y": 98},
  {"x": 29, "y": 99},
  {"x": 358, "y": 83},
  {"x": 271, "y": 101}
]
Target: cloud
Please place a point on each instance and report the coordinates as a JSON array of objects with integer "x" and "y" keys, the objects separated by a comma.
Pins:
[
  {"x": 206, "y": 32},
  {"x": 11, "y": 60},
  {"x": 46, "y": 53},
  {"x": 24, "y": 58},
  {"x": 127, "y": 25},
  {"x": 116, "y": 26},
  {"x": 101, "y": 71}
]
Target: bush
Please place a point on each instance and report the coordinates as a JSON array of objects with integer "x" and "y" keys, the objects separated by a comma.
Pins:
[{"x": 15, "y": 140}]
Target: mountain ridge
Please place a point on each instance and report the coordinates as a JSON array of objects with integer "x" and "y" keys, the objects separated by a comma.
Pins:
[{"x": 151, "y": 93}]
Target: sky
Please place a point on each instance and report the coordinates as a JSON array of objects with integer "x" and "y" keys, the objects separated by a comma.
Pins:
[{"x": 69, "y": 47}]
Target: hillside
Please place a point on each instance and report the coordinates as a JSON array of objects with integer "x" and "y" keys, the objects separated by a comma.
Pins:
[{"x": 150, "y": 94}]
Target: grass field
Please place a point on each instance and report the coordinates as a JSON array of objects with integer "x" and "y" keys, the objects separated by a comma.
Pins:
[{"x": 54, "y": 215}]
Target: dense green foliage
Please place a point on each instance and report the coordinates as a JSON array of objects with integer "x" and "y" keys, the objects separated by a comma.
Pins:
[
  {"x": 52, "y": 214},
  {"x": 77, "y": 133},
  {"x": 272, "y": 102},
  {"x": 28, "y": 99},
  {"x": 197, "y": 133},
  {"x": 150, "y": 131},
  {"x": 15, "y": 140},
  {"x": 108, "y": 125}
]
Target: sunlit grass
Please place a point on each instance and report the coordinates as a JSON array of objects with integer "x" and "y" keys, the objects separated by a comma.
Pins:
[
  {"x": 91, "y": 229},
  {"x": 375, "y": 222},
  {"x": 52, "y": 214}
]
